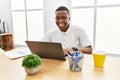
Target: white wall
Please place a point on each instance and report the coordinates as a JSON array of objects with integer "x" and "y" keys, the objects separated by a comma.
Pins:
[
  {"x": 49, "y": 12},
  {"x": 5, "y": 13}
]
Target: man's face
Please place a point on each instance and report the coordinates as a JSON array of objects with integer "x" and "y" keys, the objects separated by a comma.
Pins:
[{"x": 62, "y": 20}]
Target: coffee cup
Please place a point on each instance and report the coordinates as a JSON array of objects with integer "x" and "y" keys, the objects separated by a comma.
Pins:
[{"x": 99, "y": 58}]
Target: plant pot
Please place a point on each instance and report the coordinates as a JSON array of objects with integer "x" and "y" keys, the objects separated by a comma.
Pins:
[{"x": 32, "y": 70}]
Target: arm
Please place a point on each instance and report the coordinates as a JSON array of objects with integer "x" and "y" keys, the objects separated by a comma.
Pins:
[{"x": 86, "y": 50}]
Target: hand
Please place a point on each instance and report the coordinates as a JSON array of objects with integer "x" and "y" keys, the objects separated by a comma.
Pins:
[{"x": 66, "y": 50}]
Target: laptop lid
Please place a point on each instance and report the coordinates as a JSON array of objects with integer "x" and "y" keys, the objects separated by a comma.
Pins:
[{"x": 49, "y": 50}]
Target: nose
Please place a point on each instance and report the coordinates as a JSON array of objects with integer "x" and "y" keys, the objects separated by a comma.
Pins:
[{"x": 60, "y": 20}]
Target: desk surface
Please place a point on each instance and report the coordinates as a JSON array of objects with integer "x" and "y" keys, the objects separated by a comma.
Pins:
[{"x": 59, "y": 70}]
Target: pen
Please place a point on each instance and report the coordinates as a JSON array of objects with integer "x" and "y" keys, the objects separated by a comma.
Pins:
[
  {"x": 69, "y": 53},
  {"x": 76, "y": 50}
]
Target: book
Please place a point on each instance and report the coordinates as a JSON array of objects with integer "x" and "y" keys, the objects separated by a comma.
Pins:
[{"x": 17, "y": 52}]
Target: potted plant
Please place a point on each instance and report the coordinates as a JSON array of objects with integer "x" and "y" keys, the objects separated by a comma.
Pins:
[{"x": 31, "y": 63}]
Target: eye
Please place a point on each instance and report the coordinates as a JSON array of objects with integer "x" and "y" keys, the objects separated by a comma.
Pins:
[{"x": 63, "y": 18}]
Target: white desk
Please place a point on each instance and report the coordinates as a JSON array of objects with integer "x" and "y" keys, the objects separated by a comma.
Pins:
[{"x": 59, "y": 70}]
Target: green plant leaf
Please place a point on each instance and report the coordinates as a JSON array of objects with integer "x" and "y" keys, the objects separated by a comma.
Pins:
[{"x": 31, "y": 61}]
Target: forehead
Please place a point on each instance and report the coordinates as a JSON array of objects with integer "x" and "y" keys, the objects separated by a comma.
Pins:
[{"x": 61, "y": 13}]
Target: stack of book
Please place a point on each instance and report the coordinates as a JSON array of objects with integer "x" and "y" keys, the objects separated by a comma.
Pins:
[{"x": 3, "y": 27}]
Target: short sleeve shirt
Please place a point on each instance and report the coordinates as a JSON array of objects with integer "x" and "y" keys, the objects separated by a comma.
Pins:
[{"x": 74, "y": 37}]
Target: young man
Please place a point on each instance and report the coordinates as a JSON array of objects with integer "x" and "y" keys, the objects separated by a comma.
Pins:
[{"x": 68, "y": 35}]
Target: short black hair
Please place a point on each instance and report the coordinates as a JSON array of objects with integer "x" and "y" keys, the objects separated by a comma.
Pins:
[{"x": 62, "y": 8}]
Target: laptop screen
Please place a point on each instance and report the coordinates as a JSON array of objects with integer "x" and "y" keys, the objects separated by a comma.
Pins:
[{"x": 51, "y": 50}]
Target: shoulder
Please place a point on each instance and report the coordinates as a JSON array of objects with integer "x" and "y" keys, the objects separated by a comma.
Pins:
[
  {"x": 52, "y": 31},
  {"x": 77, "y": 28}
]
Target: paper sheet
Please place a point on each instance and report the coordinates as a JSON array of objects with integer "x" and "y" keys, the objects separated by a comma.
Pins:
[{"x": 18, "y": 52}]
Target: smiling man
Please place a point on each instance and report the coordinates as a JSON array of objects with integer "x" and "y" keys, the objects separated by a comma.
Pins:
[{"x": 68, "y": 35}]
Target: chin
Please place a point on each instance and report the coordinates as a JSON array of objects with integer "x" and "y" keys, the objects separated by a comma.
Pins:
[{"x": 62, "y": 30}]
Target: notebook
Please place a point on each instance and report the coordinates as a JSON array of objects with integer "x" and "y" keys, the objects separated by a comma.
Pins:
[
  {"x": 50, "y": 50},
  {"x": 17, "y": 52}
]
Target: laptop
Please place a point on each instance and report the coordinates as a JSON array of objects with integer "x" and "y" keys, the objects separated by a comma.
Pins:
[{"x": 50, "y": 50}]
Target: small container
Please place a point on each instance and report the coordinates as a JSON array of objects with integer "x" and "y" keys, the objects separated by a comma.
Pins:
[
  {"x": 99, "y": 58},
  {"x": 75, "y": 62}
]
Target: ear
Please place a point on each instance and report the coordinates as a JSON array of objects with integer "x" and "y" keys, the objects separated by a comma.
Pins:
[{"x": 69, "y": 18}]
